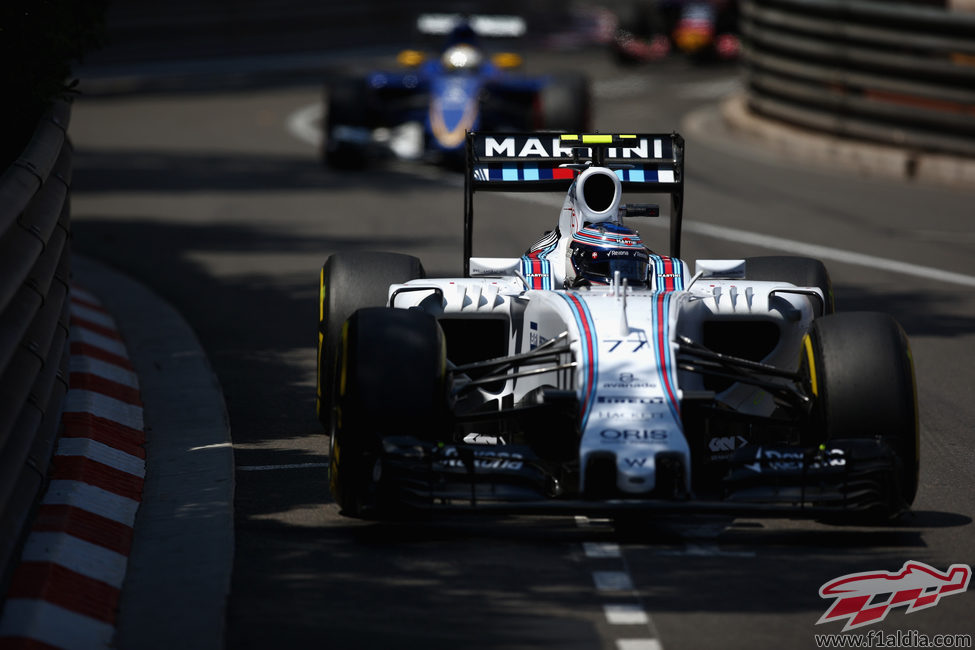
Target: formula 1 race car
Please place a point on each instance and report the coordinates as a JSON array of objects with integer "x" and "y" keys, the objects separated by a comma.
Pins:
[
  {"x": 593, "y": 375},
  {"x": 424, "y": 109}
]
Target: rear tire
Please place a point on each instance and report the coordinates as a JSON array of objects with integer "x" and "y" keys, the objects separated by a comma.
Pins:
[
  {"x": 800, "y": 271},
  {"x": 347, "y": 282},
  {"x": 861, "y": 373},
  {"x": 391, "y": 379}
]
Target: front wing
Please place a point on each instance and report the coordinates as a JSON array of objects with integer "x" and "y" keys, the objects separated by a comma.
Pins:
[{"x": 849, "y": 476}]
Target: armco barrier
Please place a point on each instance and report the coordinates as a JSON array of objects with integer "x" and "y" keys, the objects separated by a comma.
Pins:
[
  {"x": 34, "y": 275},
  {"x": 890, "y": 72}
]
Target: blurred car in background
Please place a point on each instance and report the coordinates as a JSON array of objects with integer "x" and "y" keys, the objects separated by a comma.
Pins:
[
  {"x": 423, "y": 109},
  {"x": 650, "y": 30}
]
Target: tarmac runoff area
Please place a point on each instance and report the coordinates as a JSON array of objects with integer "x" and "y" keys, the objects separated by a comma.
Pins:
[{"x": 132, "y": 546}]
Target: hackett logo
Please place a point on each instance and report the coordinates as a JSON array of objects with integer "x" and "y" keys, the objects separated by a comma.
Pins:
[
  {"x": 554, "y": 148},
  {"x": 866, "y": 598}
]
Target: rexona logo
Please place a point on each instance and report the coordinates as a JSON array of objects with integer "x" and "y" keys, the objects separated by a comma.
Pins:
[
  {"x": 866, "y": 598},
  {"x": 555, "y": 147}
]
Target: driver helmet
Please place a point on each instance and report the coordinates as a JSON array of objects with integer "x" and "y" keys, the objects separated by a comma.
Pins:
[
  {"x": 599, "y": 250},
  {"x": 462, "y": 56}
]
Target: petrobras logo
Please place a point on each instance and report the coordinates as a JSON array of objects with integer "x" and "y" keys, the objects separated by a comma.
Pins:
[
  {"x": 556, "y": 147},
  {"x": 866, "y": 598}
]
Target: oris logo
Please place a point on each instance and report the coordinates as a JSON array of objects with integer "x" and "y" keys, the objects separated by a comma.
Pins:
[{"x": 642, "y": 435}]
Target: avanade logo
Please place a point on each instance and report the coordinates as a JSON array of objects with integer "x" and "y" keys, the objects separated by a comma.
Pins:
[{"x": 866, "y": 598}]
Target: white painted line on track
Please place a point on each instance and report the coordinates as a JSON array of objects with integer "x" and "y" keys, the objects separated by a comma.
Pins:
[
  {"x": 626, "y": 614},
  {"x": 829, "y": 253},
  {"x": 612, "y": 581},
  {"x": 638, "y": 644},
  {"x": 264, "y": 468},
  {"x": 601, "y": 549},
  {"x": 302, "y": 124}
]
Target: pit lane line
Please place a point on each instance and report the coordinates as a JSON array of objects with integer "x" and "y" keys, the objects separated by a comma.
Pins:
[{"x": 303, "y": 125}]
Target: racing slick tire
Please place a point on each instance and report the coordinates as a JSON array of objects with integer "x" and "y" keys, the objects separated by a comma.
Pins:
[
  {"x": 860, "y": 372},
  {"x": 346, "y": 105},
  {"x": 347, "y": 282},
  {"x": 566, "y": 104},
  {"x": 800, "y": 271},
  {"x": 391, "y": 380}
]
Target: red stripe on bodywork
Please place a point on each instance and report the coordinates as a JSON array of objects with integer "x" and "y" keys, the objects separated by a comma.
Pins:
[
  {"x": 590, "y": 363},
  {"x": 662, "y": 351}
]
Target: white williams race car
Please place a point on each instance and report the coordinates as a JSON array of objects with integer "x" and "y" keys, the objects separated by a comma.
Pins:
[{"x": 595, "y": 375}]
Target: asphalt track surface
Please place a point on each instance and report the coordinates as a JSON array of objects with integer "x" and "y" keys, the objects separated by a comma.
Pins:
[{"x": 216, "y": 202}]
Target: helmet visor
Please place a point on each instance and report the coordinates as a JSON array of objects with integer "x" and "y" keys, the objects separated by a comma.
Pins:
[{"x": 600, "y": 266}]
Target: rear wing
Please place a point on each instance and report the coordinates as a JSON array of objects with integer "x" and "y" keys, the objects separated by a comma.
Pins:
[{"x": 545, "y": 161}]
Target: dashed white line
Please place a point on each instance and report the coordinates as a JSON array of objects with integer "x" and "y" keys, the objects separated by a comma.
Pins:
[
  {"x": 638, "y": 644},
  {"x": 612, "y": 581},
  {"x": 626, "y": 614}
]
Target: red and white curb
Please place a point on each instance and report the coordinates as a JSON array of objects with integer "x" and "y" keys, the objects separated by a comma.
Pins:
[{"x": 65, "y": 592}]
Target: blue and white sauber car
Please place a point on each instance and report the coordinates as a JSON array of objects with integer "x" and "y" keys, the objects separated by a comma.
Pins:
[
  {"x": 592, "y": 374},
  {"x": 423, "y": 109}
]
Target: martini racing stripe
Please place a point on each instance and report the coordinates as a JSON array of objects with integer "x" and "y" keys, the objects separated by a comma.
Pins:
[
  {"x": 666, "y": 273},
  {"x": 535, "y": 265},
  {"x": 666, "y": 366},
  {"x": 522, "y": 172},
  {"x": 590, "y": 353},
  {"x": 590, "y": 235},
  {"x": 509, "y": 172}
]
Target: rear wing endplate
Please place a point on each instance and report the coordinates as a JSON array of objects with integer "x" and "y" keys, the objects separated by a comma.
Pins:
[{"x": 546, "y": 161}]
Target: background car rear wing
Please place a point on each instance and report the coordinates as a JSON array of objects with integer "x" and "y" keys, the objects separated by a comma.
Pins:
[{"x": 545, "y": 161}]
